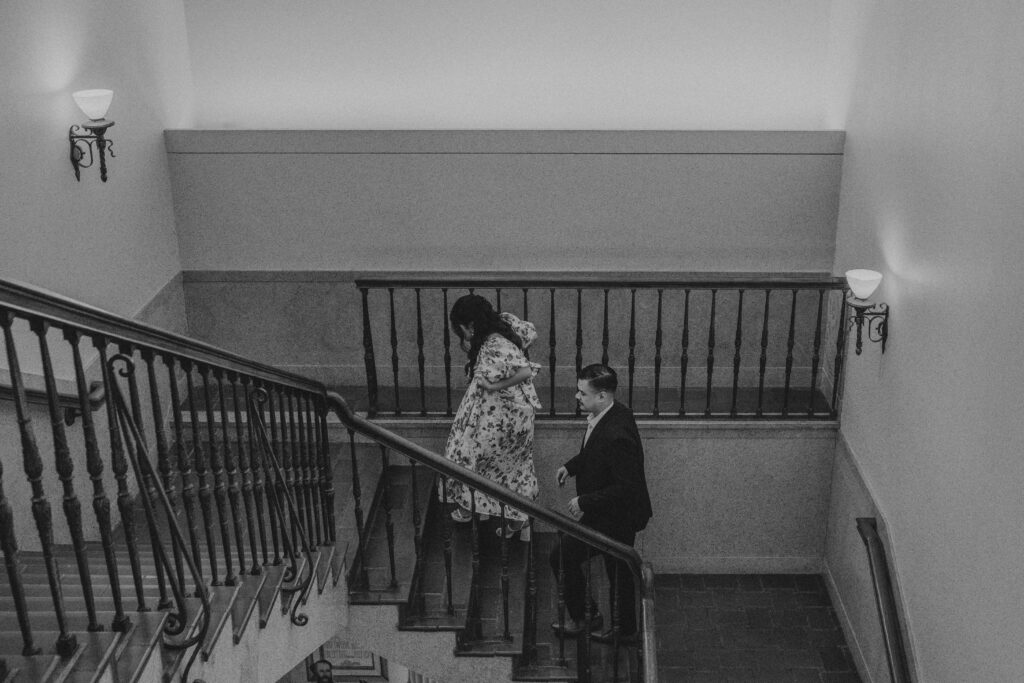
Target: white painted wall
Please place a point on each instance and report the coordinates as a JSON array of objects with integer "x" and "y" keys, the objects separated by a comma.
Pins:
[
  {"x": 110, "y": 244},
  {"x": 931, "y": 195},
  {"x": 486, "y": 64}
]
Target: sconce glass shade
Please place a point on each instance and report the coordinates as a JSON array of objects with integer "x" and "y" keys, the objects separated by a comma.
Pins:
[
  {"x": 94, "y": 103},
  {"x": 863, "y": 282}
]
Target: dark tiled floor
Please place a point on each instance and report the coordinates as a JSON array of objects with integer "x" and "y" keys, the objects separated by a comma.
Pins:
[{"x": 749, "y": 628}]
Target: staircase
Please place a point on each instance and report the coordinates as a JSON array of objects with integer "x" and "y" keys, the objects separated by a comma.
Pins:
[
  {"x": 132, "y": 554},
  {"x": 484, "y": 568},
  {"x": 252, "y": 615}
]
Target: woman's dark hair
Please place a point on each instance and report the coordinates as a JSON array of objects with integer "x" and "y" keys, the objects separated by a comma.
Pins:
[{"x": 473, "y": 309}]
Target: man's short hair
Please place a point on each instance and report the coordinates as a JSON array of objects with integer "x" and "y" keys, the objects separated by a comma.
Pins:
[{"x": 600, "y": 377}]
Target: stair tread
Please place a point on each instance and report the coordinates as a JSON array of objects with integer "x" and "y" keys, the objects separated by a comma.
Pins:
[{"x": 139, "y": 644}]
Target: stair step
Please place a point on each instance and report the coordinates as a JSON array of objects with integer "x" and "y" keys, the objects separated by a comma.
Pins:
[
  {"x": 427, "y": 609},
  {"x": 222, "y": 598},
  {"x": 92, "y": 656},
  {"x": 139, "y": 645},
  {"x": 267, "y": 597},
  {"x": 246, "y": 604},
  {"x": 376, "y": 561}
]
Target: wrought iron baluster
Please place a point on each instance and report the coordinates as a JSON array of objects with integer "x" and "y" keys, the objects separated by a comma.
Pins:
[
  {"x": 258, "y": 476},
  {"x": 447, "y": 355},
  {"x": 368, "y": 357},
  {"x": 313, "y": 465},
  {"x": 127, "y": 351},
  {"x": 529, "y": 650},
  {"x": 583, "y": 673},
  {"x": 389, "y": 523},
  {"x": 551, "y": 353},
  {"x": 202, "y": 471},
  {"x": 327, "y": 480},
  {"x": 417, "y": 529},
  {"x": 579, "y": 338},
  {"x": 8, "y": 537},
  {"x": 736, "y": 354},
  {"x": 41, "y": 511},
  {"x": 421, "y": 360},
  {"x": 119, "y": 466},
  {"x": 657, "y": 355},
  {"x": 632, "y": 344},
  {"x": 298, "y": 488},
  {"x": 163, "y": 456},
  {"x": 65, "y": 471},
  {"x": 447, "y": 525},
  {"x": 684, "y": 357},
  {"x": 473, "y": 630},
  {"x": 711, "y": 353},
  {"x": 184, "y": 461},
  {"x": 526, "y": 314},
  {"x": 394, "y": 351},
  {"x": 357, "y": 497},
  {"x": 303, "y": 469},
  {"x": 245, "y": 473},
  {"x": 789, "y": 355},
  {"x": 230, "y": 472},
  {"x": 604, "y": 332},
  {"x": 220, "y": 489},
  {"x": 840, "y": 354},
  {"x": 561, "y": 661},
  {"x": 504, "y": 580},
  {"x": 286, "y": 484},
  {"x": 764, "y": 353},
  {"x": 815, "y": 354},
  {"x": 497, "y": 297},
  {"x": 270, "y": 482},
  {"x": 94, "y": 465}
]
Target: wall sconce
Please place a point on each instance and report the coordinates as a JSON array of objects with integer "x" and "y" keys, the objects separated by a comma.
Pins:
[
  {"x": 863, "y": 284},
  {"x": 94, "y": 104}
]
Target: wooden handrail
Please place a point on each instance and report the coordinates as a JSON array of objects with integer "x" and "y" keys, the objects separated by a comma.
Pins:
[
  {"x": 885, "y": 598},
  {"x": 599, "y": 280},
  {"x": 32, "y": 302}
]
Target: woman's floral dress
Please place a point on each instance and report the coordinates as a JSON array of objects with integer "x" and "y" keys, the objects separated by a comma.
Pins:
[{"x": 492, "y": 433}]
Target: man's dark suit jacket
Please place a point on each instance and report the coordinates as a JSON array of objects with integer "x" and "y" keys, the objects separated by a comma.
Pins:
[{"x": 609, "y": 472}]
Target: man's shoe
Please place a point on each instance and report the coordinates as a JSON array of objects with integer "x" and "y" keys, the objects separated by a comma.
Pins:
[
  {"x": 573, "y": 628},
  {"x": 608, "y": 637}
]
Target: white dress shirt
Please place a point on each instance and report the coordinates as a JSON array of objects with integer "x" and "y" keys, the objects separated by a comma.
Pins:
[{"x": 592, "y": 421}]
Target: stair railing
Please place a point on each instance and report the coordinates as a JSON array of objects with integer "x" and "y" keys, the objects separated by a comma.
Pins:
[
  {"x": 220, "y": 488},
  {"x": 885, "y": 599},
  {"x": 271, "y": 463},
  {"x": 153, "y": 494},
  {"x": 214, "y": 478},
  {"x": 694, "y": 345},
  {"x": 598, "y": 543}
]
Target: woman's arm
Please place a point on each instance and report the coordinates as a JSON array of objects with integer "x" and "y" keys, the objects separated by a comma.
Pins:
[{"x": 518, "y": 377}]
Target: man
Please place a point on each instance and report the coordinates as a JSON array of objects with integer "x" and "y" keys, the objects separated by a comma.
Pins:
[{"x": 611, "y": 498}]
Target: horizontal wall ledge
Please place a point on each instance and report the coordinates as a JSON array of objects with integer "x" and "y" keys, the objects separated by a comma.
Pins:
[{"x": 824, "y": 142}]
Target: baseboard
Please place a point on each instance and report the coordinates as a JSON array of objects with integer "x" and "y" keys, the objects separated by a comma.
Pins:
[{"x": 849, "y": 633}]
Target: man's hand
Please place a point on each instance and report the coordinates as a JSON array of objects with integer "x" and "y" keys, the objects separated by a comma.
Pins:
[
  {"x": 574, "y": 508},
  {"x": 562, "y": 475}
]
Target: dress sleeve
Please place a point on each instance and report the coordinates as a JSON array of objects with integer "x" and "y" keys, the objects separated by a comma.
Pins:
[
  {"x": 526, "y": 330},
  {"x": 499, "y": 358}
]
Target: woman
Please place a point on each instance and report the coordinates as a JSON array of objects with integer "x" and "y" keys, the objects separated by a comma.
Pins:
[{"x": 492, "y": 433}]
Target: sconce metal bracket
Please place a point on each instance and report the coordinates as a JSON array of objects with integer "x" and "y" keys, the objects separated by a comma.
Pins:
[
  {"x": 82, "y": 146},
  {"x": 874, "y": 316}
]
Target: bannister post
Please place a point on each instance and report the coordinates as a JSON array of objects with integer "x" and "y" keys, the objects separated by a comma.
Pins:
[
  {"x": 33, "y": 464},
  {"x": 368, "y": 358},
  {"x": 65, "y": 471}
]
